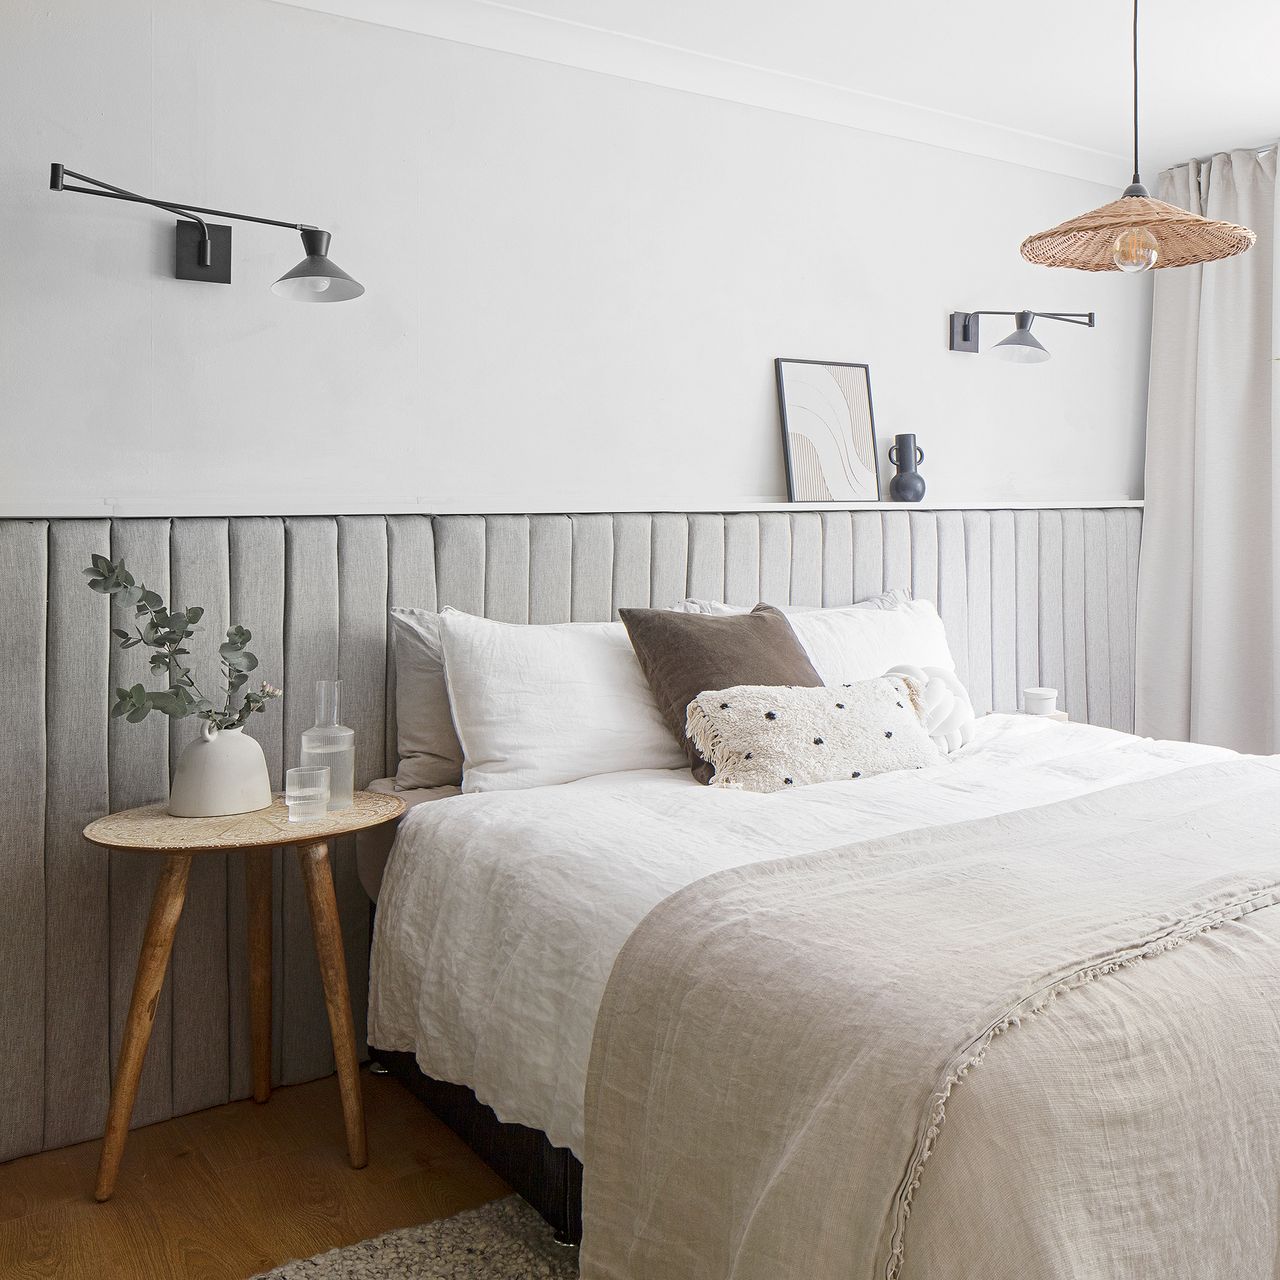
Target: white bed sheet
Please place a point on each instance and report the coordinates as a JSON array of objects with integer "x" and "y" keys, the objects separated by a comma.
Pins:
[{"x": 501, "y": 914}]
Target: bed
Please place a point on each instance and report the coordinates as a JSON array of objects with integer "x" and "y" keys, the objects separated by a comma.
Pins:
[
  {"x": 502, "y": 916},
  {"x": 487, "y": 980}
]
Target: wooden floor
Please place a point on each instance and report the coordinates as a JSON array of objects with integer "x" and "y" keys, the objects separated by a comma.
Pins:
[{"x": 224, "y": 1194}]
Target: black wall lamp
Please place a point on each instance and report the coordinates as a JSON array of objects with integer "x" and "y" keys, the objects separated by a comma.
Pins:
[
  {"x": 1020, "y": 345},
  {"x": 204, "y": 249}
]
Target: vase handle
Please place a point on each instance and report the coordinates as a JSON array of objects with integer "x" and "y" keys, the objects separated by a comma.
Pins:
[
  {"x": 893, "y": 455},
  {"x": 208, "y": 730},
  {"x": 919, "y": 455}
]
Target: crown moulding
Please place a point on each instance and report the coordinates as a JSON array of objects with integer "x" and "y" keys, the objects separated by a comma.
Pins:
[
  {"x": 212, "y": 506},
  {"x": 571, "y": 44}
]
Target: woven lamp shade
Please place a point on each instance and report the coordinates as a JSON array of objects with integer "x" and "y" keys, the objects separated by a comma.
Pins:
[{"x": 1086, "y": 243}]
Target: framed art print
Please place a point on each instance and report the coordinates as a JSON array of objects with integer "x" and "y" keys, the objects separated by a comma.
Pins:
[{"x": 828, "y": 433}]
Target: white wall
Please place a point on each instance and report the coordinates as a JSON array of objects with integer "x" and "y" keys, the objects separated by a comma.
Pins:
[{"x": 576, "y": 283}]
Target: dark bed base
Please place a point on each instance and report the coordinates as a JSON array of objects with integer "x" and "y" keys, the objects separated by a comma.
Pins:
[{"x": 549, "y": 1178}]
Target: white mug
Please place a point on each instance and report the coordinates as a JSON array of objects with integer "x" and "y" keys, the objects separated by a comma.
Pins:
[{"x": 1040, "y": 702}]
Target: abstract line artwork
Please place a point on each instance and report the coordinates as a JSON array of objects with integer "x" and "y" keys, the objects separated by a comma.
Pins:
[{"x": 828, "y": 433}]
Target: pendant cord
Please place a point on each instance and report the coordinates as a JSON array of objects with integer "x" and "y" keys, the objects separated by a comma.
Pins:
[{"x": 1136, "y": 178}]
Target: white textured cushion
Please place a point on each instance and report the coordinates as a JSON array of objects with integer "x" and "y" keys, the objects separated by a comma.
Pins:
[
  {"x": 763, "y": 738},
  {"x": 537, "y": 705},
  {"x": 847, "y": 645},
  {"x": 945, "y": 708}
]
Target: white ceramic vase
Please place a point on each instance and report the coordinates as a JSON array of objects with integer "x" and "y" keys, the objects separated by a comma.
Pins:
[{"x": 222, "y": 772}]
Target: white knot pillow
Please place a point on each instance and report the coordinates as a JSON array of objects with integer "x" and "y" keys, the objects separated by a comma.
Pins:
[{"x": 945, "y": 708}]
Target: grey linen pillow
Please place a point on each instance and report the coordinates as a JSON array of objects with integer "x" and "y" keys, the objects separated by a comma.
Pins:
[
  {"x": 427, "y": 745},
  {"x": 684, "y": 654},
  {"x": 768, "y": 739}
]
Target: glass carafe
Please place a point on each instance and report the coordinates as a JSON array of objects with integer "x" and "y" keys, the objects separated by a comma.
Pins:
[{"x": 329, "y": 742}]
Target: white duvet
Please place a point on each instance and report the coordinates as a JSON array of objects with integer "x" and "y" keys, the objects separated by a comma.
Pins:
[{"x": 501, "y": 914}]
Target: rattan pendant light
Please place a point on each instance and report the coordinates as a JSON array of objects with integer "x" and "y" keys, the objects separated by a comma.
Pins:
[{"x": 1136, "y": 232}]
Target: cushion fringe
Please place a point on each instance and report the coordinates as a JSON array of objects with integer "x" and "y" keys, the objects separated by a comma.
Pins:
[{"x": 710, "y": 743}]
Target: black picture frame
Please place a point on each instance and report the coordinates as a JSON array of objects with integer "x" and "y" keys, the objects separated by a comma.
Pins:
[{"x": 810, "y": 464}]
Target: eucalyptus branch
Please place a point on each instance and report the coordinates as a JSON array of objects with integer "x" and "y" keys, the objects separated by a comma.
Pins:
[{"x": 166, "y": 631}]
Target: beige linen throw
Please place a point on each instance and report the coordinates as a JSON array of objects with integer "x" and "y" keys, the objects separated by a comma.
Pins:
[{"x": 1085, "y": 992}]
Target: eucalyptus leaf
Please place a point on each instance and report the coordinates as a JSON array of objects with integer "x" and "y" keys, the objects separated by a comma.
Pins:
[{"x": 169, "y": 703}]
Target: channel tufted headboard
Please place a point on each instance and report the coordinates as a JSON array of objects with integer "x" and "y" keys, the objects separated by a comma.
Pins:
[{"x": 1029, "y": 597}]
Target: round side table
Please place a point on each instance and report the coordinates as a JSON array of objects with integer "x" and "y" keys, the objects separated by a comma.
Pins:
[{"x": 153, "y": 830}]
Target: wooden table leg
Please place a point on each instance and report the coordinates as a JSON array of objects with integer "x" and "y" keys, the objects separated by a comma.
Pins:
[
  {"x": 325, "y": 925},
  {"x": 166, "y": 908},
  {"x": 258, "y": 874}
]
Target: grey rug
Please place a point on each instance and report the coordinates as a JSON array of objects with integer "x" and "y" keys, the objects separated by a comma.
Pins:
[{"x": 505, "y": 1240}]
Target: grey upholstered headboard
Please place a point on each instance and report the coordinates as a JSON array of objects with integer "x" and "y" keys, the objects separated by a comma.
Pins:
[{"x": 1039, "y": 596}]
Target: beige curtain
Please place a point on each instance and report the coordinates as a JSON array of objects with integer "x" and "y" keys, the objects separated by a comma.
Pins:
[{"x": 1209, "y": 582}]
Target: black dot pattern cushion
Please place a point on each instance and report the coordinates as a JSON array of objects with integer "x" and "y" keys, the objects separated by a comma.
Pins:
[{"x": 766, "y": 738}]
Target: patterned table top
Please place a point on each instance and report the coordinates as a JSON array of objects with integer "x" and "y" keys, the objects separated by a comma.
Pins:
[{"x": 152, "y": 829}]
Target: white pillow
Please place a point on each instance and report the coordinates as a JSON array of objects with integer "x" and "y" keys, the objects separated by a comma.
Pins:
[
  {"x": 429, "y": 752},
  {"x": 848, "y": 645},
  {"x": 945, "y": 709},
  {"x": 894, "y": 599},
  {"x": 538, "y": 705}
]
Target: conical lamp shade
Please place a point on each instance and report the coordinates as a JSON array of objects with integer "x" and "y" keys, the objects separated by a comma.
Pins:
[
  {"x": 1087, "y": 243},
  {"x": 315, "y": 278},
  {"x": 1021, "y": 347}
]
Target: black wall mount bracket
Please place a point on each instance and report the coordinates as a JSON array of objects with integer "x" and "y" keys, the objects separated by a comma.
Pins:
[{"x": 187, "y": 264}]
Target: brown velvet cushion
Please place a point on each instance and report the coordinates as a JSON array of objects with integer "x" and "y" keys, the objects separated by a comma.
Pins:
[{"x": 685, "y": 654}]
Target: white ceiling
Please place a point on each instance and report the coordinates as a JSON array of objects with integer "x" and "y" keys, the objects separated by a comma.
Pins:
[{"x": 1030, "y": 82}]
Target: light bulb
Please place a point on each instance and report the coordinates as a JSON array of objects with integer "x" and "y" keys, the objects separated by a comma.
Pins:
[
  {"x": 318, "y": 283},
  {"x": 1135, "y": 249}
]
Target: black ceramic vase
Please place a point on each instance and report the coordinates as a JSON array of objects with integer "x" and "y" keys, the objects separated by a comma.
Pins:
[{"x": 906, "y": 455}]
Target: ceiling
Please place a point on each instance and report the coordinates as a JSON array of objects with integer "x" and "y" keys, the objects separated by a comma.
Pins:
[{"x": 1022, "y": 79}]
